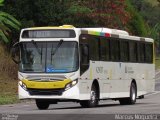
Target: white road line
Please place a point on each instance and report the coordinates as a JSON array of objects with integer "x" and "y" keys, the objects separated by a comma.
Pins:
[{"x": 156, "y": 92}]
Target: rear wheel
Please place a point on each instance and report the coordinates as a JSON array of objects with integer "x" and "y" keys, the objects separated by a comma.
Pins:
[
  {"x": 42, "y": 104},
  {"x": 132, "y": 98},
  {"x": 93, "y": 98}
]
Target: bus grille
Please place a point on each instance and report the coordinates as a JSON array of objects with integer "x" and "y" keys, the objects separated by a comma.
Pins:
[{"x": 45, "y": 91}]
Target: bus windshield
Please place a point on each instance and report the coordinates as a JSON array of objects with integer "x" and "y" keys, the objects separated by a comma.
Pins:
[{"x": 46, "y": 57}]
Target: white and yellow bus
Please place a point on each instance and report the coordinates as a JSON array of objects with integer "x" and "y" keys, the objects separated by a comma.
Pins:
[{"x": 85, "y": 65}]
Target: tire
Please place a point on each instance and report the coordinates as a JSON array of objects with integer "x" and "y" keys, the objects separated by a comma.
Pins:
[
  {"x": 93, "y": 102},
  {"x": 42, "y": 104},
  {"x": 132, "y": 99}
]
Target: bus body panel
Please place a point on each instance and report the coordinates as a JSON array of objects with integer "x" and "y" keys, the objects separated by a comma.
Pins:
[{"x": 114, "y": 78}]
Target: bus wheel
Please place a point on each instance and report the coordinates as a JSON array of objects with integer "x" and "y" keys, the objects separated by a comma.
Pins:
[
  {"x": 93, "y": 102},
  {"x": 42, "y": 104},
  {"x": 132, "y": 98}
]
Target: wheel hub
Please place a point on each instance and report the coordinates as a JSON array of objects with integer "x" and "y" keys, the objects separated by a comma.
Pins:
[{"x": 93, "y": 96}]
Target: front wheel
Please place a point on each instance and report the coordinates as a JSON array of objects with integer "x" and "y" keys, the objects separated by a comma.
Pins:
[
  {"x": 132, "y": 99},
  {"x": 42, "y": 104},
  {"x": 93, "y": 102}
]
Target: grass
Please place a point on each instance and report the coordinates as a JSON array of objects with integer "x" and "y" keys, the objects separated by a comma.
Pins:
[
  {"x": 8, "y": 90},
  {"x": 8, "y": 78},
  {"x": 157, "y": 62},
  {"x": 8, "y": 99}
]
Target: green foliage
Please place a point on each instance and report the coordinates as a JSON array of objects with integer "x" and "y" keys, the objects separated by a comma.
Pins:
[
  {"x": 153, "y": 2},
  {"x": 137, "y": 24},
  {"x": 118, "y": 14},
  {"x": 149, "y": 10},
  {"x": 77, "y": 15},
  {"x": 6, "y": 23},
  {"x": 157, "y": 62},
  {"x": 155, "y": 32},
  {"x": 8, "y": 99},
  {"x": 76, "y": 8}
]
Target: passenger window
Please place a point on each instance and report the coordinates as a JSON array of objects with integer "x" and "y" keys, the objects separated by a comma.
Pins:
[
  {"x": 94, "y": 48},
  {"x": 124, "y": 51},
  {"x": 133, "y": 51},
  {"x": 104, "y": 49},
  {"x": 141, "y": 52},
  {"x": 115, "y": 50},
  {"x": 148, "y": 53}
]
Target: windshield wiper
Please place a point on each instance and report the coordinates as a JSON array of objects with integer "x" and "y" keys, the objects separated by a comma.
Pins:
[
  {"x": 59, "y": 44},
  {"x": 36, "y": 46}
]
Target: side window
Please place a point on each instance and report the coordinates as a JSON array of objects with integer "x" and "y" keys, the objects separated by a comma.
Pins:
[
  {"x": 84, "y": 53},
  {"x": 148, "y": 53},
  {"x": 93, "y": 48},
  {"x": 124, "y": 53},
  {"x": 104, "y": 49},
  {"x": 141, "y": 52},
  {"x": 133, "y": 51},
  {"x": 114, "y": 50}
]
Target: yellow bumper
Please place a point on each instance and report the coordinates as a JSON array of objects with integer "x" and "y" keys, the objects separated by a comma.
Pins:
[{"x": 46, "y": 85}]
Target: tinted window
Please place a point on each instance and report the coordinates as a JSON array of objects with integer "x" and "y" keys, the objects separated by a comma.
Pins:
[
  {"x": 94, "y": 48},
  {"x": 93, "y": 44},
  {"x": 48, "y": 34},
  {"x": 133, "y": 51},
  {"x": 141, "y": 52},
  {"x": 124, "y": 51},
  {"x": 148, "y": 53},
  {"x": 114, "y": 48},
  {"x": 104, "y": 49}
]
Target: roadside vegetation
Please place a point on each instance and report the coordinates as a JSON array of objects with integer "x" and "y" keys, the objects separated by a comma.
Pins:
[
  {"x": 157, "y": 62},
  {"x": 8, "y": 78}
]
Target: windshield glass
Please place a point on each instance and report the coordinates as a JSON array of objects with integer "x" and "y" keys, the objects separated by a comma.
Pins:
[{"x": 45, "y": 57}]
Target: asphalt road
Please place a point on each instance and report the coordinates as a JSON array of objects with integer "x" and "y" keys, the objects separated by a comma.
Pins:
[{"x": 149, "y": 105}]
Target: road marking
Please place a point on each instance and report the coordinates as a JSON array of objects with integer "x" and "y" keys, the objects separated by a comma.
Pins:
[{"x": 156, "y": 92}]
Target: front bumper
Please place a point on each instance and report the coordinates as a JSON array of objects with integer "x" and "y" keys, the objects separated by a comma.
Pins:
[{"x": 72, "y": 93}]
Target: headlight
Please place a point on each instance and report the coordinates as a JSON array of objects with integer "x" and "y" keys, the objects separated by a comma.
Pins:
[
  {"x": 71, "y": 84},
  {"x": 22, "y": 85}
]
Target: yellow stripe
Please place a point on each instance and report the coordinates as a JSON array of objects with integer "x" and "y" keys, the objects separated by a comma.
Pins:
[
  {"x": 44, "y": 28},
  {"x": 94, "y": 33},
  {"x": 46, "y": 85},
  {"x": 51, "y": 27},
  {"x": 91, "y": 75}
]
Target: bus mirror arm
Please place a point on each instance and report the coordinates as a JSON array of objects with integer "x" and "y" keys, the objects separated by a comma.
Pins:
[{"x": 14, "y": 51}]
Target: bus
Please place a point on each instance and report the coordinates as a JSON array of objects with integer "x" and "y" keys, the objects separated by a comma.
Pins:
[{"x": 83, "y": 65}]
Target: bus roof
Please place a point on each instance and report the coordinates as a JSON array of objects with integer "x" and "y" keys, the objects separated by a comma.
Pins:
[
  {"x": 107, "y": 32},
  {"x": 51, "y": 27},
  {"x": 115, "y": 33}
]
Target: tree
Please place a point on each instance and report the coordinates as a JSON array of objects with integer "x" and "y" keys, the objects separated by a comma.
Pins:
[
  {"x": 104, "y": 13},
  {"x": 137, "y": 24},
  {"x": 6, "y": 23}
]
